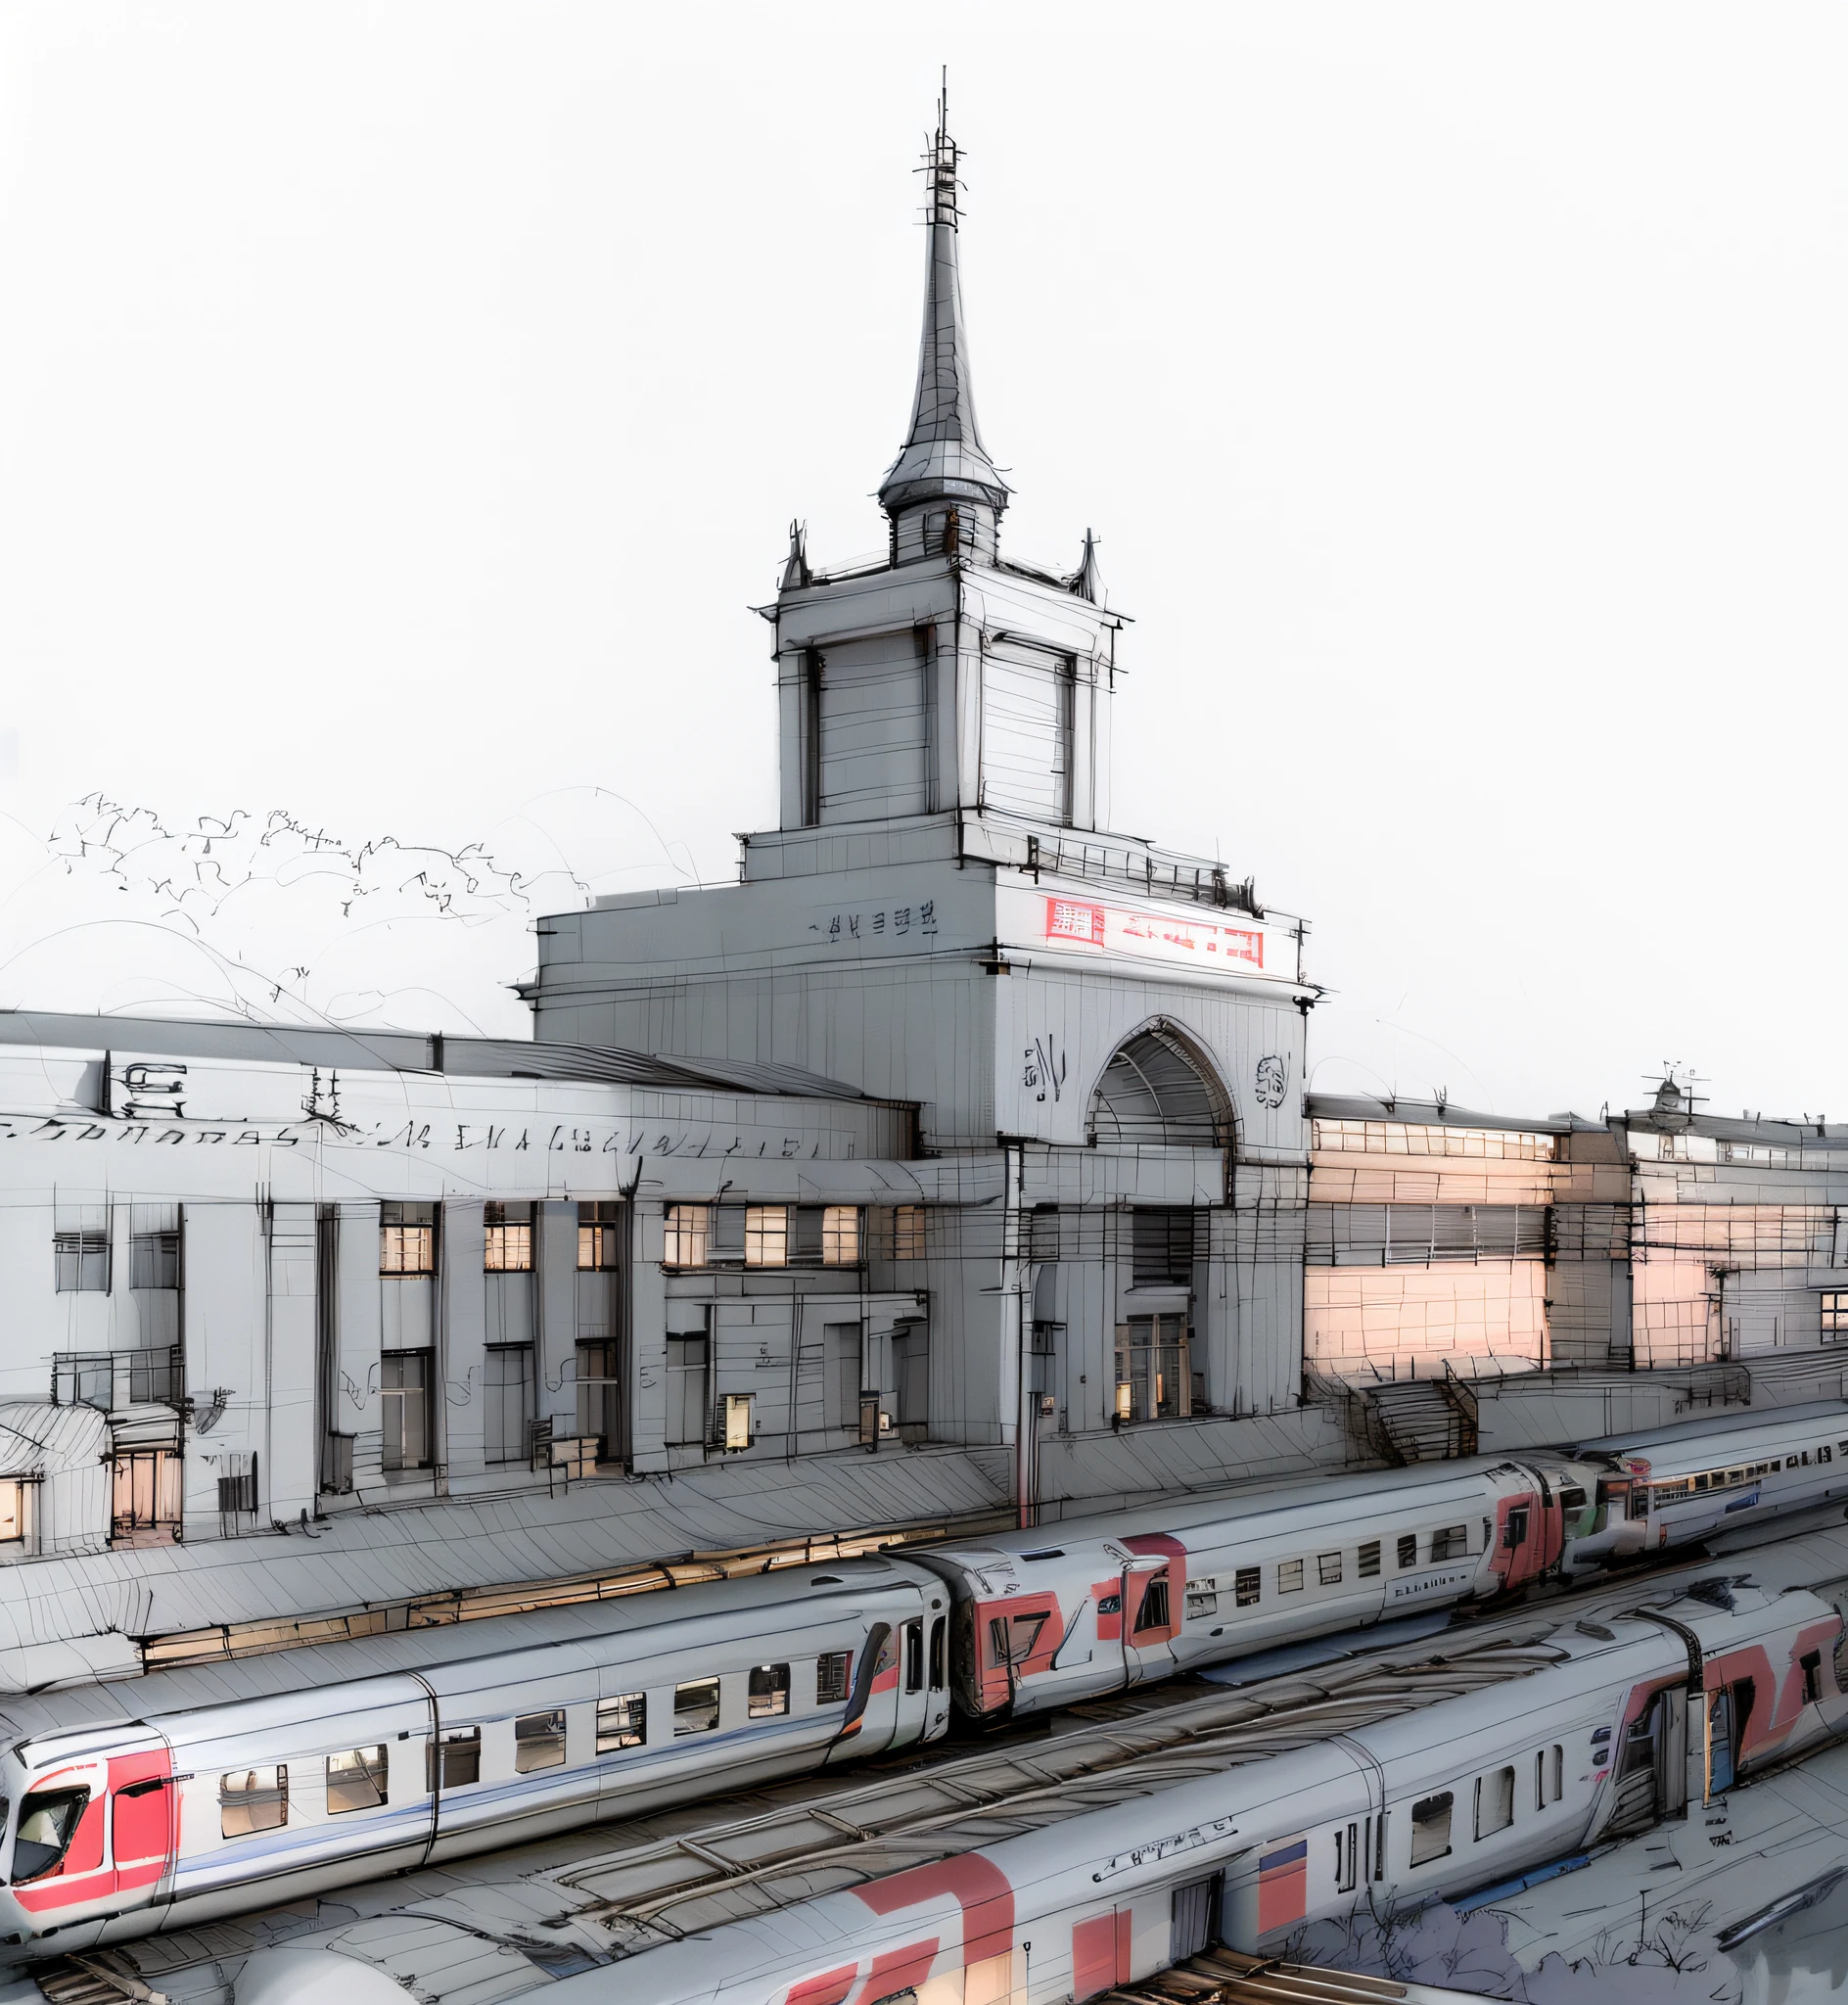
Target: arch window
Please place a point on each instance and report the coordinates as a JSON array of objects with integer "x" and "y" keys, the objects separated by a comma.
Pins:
[{"x": 1156, "y": 1090}]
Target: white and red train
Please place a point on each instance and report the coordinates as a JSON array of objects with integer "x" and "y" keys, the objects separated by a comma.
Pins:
[
  {"x": 194, "y": 1794},
  {"x": 1639, "y": 1715}
]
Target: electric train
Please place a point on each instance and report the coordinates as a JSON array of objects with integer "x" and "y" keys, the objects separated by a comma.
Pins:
[
  {"x": 194, "y": 1793},
  {"x": 1636, "y": 1719}
]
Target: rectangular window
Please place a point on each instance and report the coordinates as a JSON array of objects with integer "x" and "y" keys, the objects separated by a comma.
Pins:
[
  {"x": 737, "y": 1418},
  {"x": 407, "y": 1238},
  {"x": 154, "y": 1260},
  {"x": 914, "y": 1656},
  {"x": 1835, "y": 1315},
  {"x": 840, "y": 1236},
  {"x": 404, "y": 1408},
  {"x": 1289, "y": 1576},
  {"x": 356, "y": 1781},
  {"x": 538, "y": 1741},
  {"x": 460, "y": 1755},
  {"x": 12, "y": 1512},
  {"x": 508, "y": 1245},
  {"x": 1368, "y": 1568},
  {"x": 621, "y": 1722},
  {"x": 1515, "y": 1532},
  {"x": 907, "y": 1231},
  {"x": 1245, "y": 1589},
  {"x": 1154, "y": 1369},
  {"x": 146, "y": 1492},
  {"x": 252, "y": 1799},
  {"x": 1153, "y": 1612},
  {"x": 1431, "y": 1828},
  {"x": 1452, "y": 1542},
  {"x": 831, "y": 1677},
  {"x": 82, "y": 1262},
  {"x": 1329, "y": 1569},
  {"x": 766, "y": 1235},
  {"x": 1407, "y": 1550},
  {"x": 688, "y": 1232},
  {"x": 600, "y": 1386},
  {"x": 1160, "y": 1244},
  {"x": 695, "y": 1708},
  {"x": 1203, "y": 1599},
  {"x": 1550, "y": 1775},
  {"x": 597, "y": 1227},
  {"x": 508, "y": 1384},
  {"x": 767, "y": 1692},
  {"x": 1494, "y": 1802}
]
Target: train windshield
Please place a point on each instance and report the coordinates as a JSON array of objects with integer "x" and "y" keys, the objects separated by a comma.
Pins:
[{"x": 48, "y": 1822}]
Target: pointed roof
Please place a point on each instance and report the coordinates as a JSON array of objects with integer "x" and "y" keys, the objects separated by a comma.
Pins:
[{"x": 943, "y": 457}]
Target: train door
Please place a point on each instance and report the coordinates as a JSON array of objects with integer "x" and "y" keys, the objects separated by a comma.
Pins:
[
  {"x": 912, "y": 1720},
  {"x": 1728, "y": 1712},
  {"x": 1193, "y": 1918},
  {"x": 1100, "y": 1953},
  {"x": 1651, "y": 1768},
  {"x": 1154, "y": 1606},
  {"x": 937, "y": 1675}
]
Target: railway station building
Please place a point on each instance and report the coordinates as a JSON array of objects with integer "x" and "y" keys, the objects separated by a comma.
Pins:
[{"x": 953, "y": 1162}]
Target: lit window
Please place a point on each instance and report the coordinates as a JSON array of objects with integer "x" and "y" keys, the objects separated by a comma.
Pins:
[
  {"x": 597, "y": 1237},
  {"x": 407, "y": 1238},
  {"x": 840, "y": 1236},
  {"x": 907, "y": 1231},
  {"x": 538, "y": 1741},
  {"x": 12, "y": 1512},
  {"x": 621, "y": 1722},
  {"x": 738, "y": 1420},
  {"x": 356, "y": 1781},
  {"x": 1835, "y": 1315},
  {"x": 690, "y": 1232},
  {"x": 508, "y": 1248},
  {"x": 252, "y": 1799},
  {"x": 766, "y": 1235}
]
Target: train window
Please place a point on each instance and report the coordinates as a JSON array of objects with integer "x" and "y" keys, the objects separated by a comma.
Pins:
[
  {"x": 940, "y": 1653},
  {"x": 538, "y": 1741},
  {"x": 1289, "y": 1576},
  {"x": 767, "y": 1692},
  {"x": 1329, "y": 1569},
  {"x": 831, "y": 1668},
  {"x": 1550, "y": 1765},
  {"x": 48, "y": 1822},
  {"x": 1431, "y": 1827},
  {"x": 621, "y": 1722},
  {"x": 1407, "y": 1550},
  {"x": 1494, "y": 1802},
  {"x": 695, "y": 1706},
  {"x": 1452, "y": 1542},
  {"x": 913, "y": 1657},
  {"x": 1811, "y": 1667},
  {"x": 252, "y": 1799},
  {"x": 1825, "y": 1453},
  {"x": 1368, "y": 1561},
  {"x": 1245, "y": 1588},
  {"x": 1700, "y": 1483},
  {"x": 1203, "y": 1599},
  {"x": 1515, "y": 1532},
  {"x": 1153, "y": 1614},
  {"x": 356, "y": 1781},
  {"x": 455, "y": 1762},
  {"x": 1012, "y": 1643}
]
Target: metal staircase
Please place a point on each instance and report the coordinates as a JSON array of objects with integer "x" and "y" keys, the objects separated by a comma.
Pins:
[{"x": 1422, "y": 1419}]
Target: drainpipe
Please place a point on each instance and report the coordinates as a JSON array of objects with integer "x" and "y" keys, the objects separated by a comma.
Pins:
[{"x": 1017, "y": 1329}]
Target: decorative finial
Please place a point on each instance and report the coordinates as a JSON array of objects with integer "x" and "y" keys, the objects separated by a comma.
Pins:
[
  {"x": 1085, "y": 583},
  {"x": 796, "y": 572}
]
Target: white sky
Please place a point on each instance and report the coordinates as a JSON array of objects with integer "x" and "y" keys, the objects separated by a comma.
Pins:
[{"x": 399, "y": 406}]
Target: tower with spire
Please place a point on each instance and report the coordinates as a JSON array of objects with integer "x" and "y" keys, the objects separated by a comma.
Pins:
[{"x": 944, "y": 916}]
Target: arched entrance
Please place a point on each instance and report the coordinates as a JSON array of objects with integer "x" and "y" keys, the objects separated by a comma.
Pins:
[{"x": 1157, "y": 1089}]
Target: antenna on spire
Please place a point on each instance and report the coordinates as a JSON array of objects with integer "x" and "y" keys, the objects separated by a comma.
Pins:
[{"x": 943, "y": 103}]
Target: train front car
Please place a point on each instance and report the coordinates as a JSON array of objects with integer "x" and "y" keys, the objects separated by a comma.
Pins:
[
  {"x": 92, "y": 1831},
  {"x": 1049, "y": 1618},
  {"x": 1664, "y": 1487}
]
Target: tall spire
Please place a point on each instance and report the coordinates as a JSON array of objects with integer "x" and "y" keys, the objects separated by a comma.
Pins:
[{"x": 944, "y": 458}]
